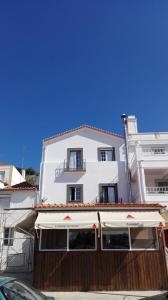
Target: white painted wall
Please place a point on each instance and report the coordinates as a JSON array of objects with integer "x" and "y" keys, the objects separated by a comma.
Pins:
[
  {"x": 54, "y": 180},
  {"x": 16, "y": 176},
  {"x": 12, "y": 175}
]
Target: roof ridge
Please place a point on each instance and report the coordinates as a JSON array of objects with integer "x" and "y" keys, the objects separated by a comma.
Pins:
[{"x": 81, "y": 127}]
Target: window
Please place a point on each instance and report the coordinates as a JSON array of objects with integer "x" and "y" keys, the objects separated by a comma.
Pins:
[
  {"x": 75, "y": 193},
  {"x": 143, "y": 238},
  {"x": 2, "y": 175},
  {"x": 8, "y": 236},
  {"x": 54, "y": 239},
  {"x": 82, "y": 239},
  {"x": 67, "y": 239},
  {"x": 75, "y": 159},
  {"x": 129, "y": 238},
  {"x": 106, "y": 154},
  {"x": 114, "y": 238},
  {"x": 108, "y": 193}
]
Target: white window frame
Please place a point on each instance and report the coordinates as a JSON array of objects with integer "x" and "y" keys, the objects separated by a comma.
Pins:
[
  {"x": 148, "y": 249},
  {"x": 129, "y": 238},
  {"x": 67, "y": 249},
  {"x": 9, "y": 238}
]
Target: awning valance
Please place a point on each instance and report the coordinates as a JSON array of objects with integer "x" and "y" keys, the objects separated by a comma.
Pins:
[
  {"x": 60, "y": 220},
  {"x": 131, "y": 219}
]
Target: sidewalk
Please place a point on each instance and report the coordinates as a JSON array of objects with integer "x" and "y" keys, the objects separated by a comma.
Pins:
[{"x": 110, "y": 295}]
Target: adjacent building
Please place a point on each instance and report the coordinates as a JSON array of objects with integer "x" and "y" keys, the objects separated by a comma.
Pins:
[
  {"x": 16, "y": 246},
  {"x": 148, "y": 161}
]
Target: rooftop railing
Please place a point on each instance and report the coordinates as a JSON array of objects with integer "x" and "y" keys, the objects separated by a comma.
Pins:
[
  {"x": 154, "y": 151},
  {"x": 157, "y": 190}
]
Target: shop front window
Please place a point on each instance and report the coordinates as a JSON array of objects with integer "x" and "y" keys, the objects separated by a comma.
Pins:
[{"x": 115, "y": 238}]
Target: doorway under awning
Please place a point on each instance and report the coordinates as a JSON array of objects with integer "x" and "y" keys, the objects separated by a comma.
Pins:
[
  {"x": 63, "y": 220},
  {"x": 131, "y": 219}
]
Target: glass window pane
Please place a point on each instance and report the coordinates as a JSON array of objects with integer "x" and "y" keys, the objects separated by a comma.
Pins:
[
  {"x": 8, "y": 236},
  {"x": 111, "y": 194},
  {"x": 106, "y": 155},
  {"x": 103, "y": 155},
  {"x": 114, "y": 238},
  {"x": 109, "y": 155},
  {"x": 78, "y": 193},
  {"x": 54, "y": 239},
  {"x": 143, "y": 238},
  {"x": 81, "y": 239},
  {"x": 72, "y": 160}
]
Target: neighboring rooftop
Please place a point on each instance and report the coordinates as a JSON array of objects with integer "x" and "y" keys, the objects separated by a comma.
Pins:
[
  {"x": 19, "y": 187},
  {"x": 82, "y": 127}
]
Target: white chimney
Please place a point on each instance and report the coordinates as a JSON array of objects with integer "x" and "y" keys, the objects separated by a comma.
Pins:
[
  {"x": 24, "y": 173},
  {"x": 132, "y": 125}
]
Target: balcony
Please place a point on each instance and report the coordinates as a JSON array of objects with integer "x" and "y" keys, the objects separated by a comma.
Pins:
[{"x": 77, "y": 167}]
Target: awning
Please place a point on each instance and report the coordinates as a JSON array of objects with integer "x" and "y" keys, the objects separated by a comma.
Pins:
[
  {"x": 131, "y": 219},
  {"x": 27, "y": 224},
  {"x": 60, "y": 220}
]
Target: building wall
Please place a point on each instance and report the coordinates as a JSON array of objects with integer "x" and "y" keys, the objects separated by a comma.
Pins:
[{"x": 54, "y": 180}]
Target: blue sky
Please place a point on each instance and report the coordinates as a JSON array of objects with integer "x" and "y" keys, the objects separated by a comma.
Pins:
[{"x": 66, "y": 63}]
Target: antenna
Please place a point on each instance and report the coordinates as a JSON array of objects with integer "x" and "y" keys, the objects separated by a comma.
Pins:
[{"x": 23, "y": 156}]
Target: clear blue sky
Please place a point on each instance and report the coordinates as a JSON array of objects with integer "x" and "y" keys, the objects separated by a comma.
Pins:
[{"x": 65, "y": 63}]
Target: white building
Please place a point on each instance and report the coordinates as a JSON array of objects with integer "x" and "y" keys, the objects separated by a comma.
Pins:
[
  {"x": 9, "y": 175},
  {"x": 16, "y": 248},
  {"x": 86, "y": 165},
  {"x": 148, "y": 160}
]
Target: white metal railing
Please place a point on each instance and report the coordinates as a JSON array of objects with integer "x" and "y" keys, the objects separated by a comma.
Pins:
[
  {"x": 155, "y": 151},
  {"x": 157, "y": 190}
]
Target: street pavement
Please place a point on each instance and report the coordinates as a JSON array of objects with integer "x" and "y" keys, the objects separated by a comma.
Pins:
[{"x": 110, "y": 295}]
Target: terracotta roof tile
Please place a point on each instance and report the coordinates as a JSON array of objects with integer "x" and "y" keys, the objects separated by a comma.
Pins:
[
  {"x": 99, "y": 205},
  {"x": 19, "y": 187},
  {"x": 3, "y": 164},
  {"x": 81, "y": 127}
]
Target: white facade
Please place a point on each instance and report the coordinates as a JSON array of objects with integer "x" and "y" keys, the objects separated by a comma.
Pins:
[
  {"x": 16, "y": 204},
  {"x": 9, "y": 175},
  {"x": 148, "y": 160},
  {"x": 55, "y": 179}
]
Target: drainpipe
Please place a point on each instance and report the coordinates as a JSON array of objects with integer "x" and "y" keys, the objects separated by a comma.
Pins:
[{"x": 124, "y": 118}]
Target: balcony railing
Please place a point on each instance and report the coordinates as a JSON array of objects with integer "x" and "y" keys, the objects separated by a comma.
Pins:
[
  {"x": 154, "y": 151},
  {"x": 78, "y": 167},
  {"x": 157, "y": 190}
]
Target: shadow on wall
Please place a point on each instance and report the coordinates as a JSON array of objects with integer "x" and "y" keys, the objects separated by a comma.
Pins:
[{"x": 61, "y": 176}]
